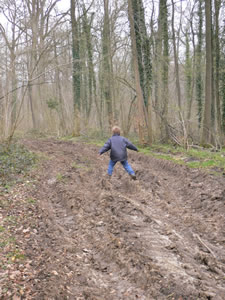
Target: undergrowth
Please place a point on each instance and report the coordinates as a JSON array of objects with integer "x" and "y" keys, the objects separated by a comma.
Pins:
[
  {"x": 14, "y": 160},
  {"x": 16, "y": 219}
]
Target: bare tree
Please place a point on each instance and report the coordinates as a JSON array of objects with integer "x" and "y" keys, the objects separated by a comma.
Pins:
[
  {"x": 207, "y": 121},
  {"x": 140, "y": 98},
  {"x": 76, "y": 69}
]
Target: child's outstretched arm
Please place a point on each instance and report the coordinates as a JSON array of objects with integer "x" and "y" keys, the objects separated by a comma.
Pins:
[
  {"x": 106, "y": 147},
  {"x": 130, "y": 145}
]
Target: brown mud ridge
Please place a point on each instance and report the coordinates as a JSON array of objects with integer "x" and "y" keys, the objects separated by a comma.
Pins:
[{"x": 160, "y": 237}]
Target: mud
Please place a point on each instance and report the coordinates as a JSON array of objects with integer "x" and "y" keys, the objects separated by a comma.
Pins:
[{"x": 160, "y": 237}]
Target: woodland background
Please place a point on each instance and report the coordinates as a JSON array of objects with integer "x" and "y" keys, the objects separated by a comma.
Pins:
[{"x": 154, "y": 67}]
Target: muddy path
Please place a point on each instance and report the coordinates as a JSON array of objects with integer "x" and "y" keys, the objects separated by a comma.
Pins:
[{"x": 160, "y": 237}]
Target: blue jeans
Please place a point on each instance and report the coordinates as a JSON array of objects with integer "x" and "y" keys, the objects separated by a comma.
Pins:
[{"x": 124, "y": 163}]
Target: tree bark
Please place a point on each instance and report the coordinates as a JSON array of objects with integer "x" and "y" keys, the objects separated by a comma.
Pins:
[
  {"x": 165, "y": 69},
  {"x": 199, "y": 79},
  {"x": 140, "y": 98},
  {"x": 217, "y": 67},
  {"x": 107, "y": 72},
  {"x": 76, "y": 70},
  {"x": 176, "y": 60},
  {"x": 207, "y": 121}
]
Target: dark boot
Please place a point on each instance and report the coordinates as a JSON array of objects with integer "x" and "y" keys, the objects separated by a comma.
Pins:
[{"x": 133, "y": 176}]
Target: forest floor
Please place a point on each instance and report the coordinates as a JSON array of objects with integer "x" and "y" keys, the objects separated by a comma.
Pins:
[{"x": 79, "y": 236}]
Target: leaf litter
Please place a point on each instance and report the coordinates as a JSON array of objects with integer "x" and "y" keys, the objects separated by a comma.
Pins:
[{"x": 75, "y": 235}]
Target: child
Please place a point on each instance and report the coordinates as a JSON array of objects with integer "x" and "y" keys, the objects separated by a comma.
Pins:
[{"x": 118, "y": 145}]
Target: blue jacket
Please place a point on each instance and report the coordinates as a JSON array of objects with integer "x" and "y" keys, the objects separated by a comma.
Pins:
[{"x": 118, "y": 145}]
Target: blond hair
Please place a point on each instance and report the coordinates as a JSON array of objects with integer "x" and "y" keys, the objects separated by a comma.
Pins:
[{"x": 116, "y": 130}]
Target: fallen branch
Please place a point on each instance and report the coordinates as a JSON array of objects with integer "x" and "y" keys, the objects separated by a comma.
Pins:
[{"x": 200, "y": 240}]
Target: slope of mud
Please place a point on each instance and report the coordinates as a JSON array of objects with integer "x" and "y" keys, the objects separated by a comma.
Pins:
[{"x": 160, "y": 237}]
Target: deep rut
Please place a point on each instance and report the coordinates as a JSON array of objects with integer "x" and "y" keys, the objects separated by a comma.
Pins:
[{"x": 161, "y": 237}]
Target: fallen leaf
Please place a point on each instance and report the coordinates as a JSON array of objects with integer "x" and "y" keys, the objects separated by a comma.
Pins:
[{"x": 55, "y": 273}]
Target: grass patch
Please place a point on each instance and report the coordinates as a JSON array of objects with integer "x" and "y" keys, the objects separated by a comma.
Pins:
[
  {"x": 194, "y": 164},
  {"x": 60, "y": 177},
  {"x": 3, "y": 244},
  {"x": 77, "y": 166},
  {"x": 2, "y": 228},
  {"x": 97, "y": 139},
  {"x": 16, "y": 256},
  {"x": 81, "y": 166},
  {"x": 14, "y": 160},
  {"x": 194, "y": 158},
  {"x": 17, "y": 213},
  {"x": 12, "y": 220},
  {"x": 31, "y": 201}
]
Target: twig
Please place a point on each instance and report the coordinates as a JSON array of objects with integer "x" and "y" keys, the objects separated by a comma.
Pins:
[{"x": 198, "y": 237}]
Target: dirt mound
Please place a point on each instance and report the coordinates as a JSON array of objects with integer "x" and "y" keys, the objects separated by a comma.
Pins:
[{"x": 161, "y": 237}]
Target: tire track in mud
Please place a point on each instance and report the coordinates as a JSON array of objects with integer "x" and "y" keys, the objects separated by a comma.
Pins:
[
  {"x": 125, "y": 239},
  {"x": 170, "y": 245}
]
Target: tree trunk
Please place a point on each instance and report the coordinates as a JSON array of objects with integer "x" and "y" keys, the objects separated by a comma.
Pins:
[
  {"x": 140, "y": 98},
  {"x": 165, "y": 70},
  {"x": 199, "y": 80},
  {"x": 144, "y": 61},
  {"x": 76, "y": 70},
  {"x": 59, "y": 96},
  {"x": 176, "y": 60},
  {"x": 157, "y": 75},
  {"x": 107, "y": 73},
  {"x": 191, "y": 77},
  {"x": 207, "y": 121},
  {"x": 217, "y": 67}
]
